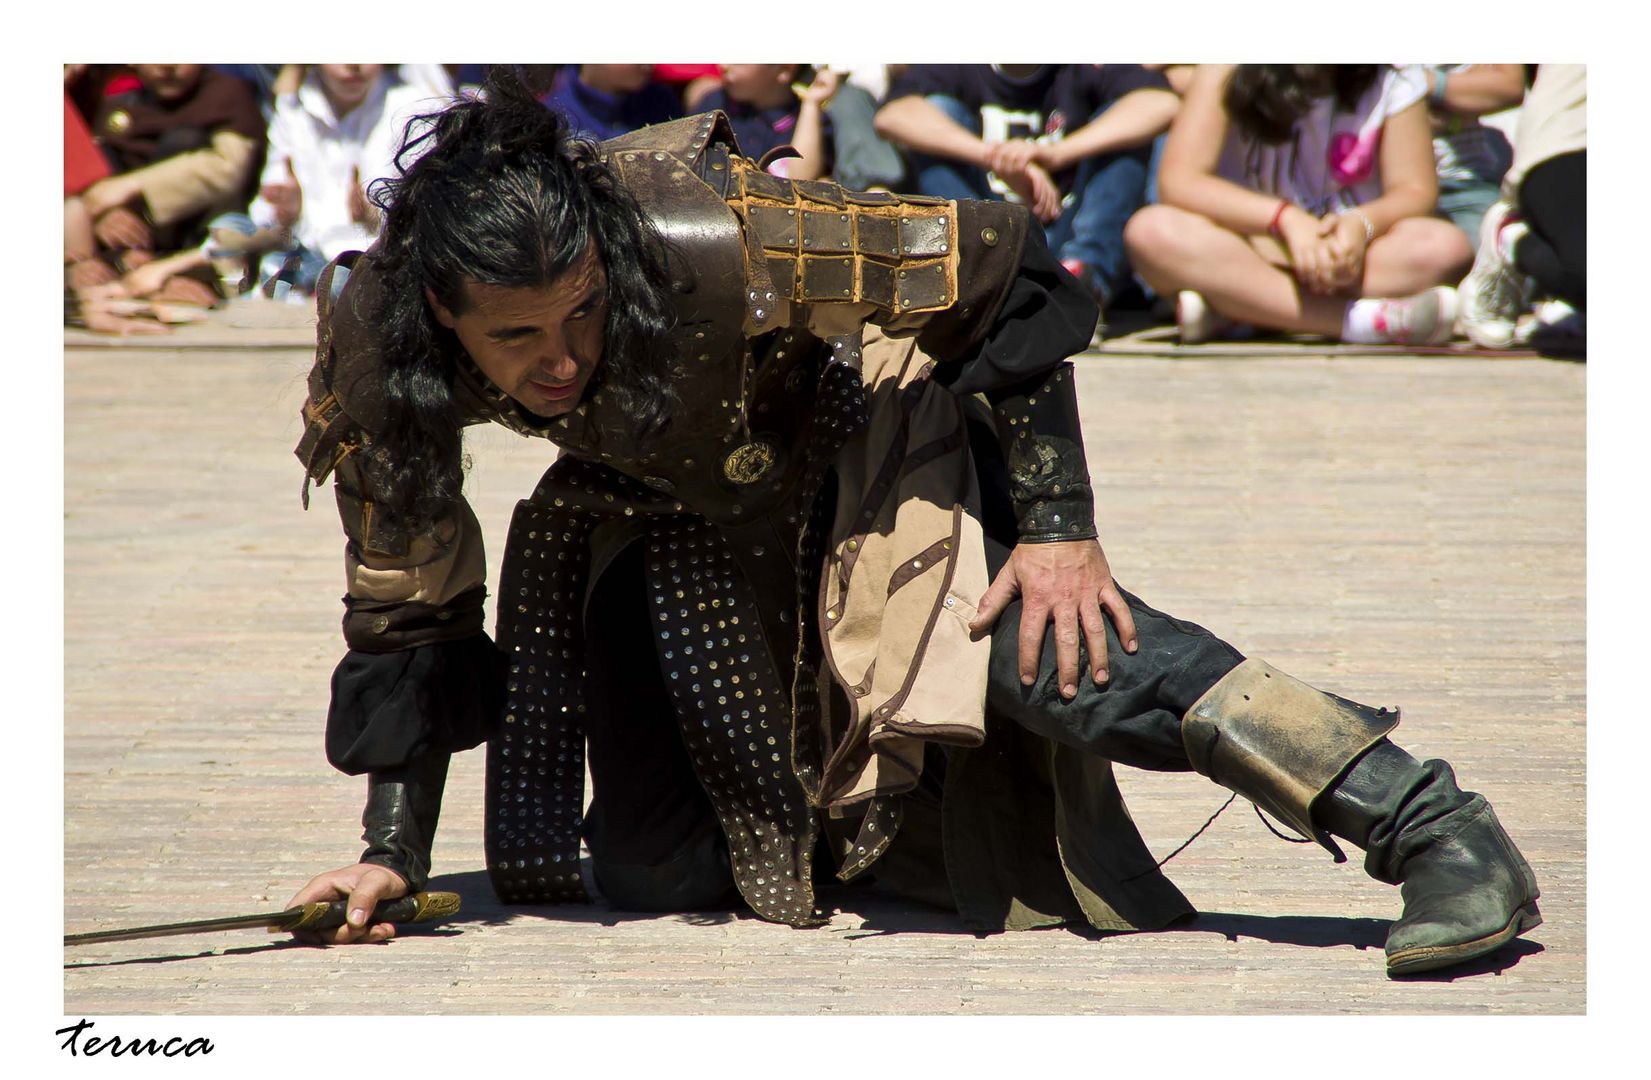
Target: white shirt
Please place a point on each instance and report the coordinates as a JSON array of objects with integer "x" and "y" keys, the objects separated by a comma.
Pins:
[
  {"x": 324, "y": 150},
  {"x": 1333, "y": 161}
]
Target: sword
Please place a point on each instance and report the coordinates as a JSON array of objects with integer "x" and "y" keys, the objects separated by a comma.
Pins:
[{"x": 319, "y": 915}]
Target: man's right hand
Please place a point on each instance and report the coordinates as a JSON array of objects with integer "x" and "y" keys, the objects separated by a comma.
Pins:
[{"x": 362, "y": 886}]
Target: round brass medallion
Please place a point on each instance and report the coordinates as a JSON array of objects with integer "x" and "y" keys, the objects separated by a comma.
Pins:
[{"x": 751, "y": 462}]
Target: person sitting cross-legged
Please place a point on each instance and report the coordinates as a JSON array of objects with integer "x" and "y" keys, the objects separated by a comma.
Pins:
[{"x": 1299, "y": 197}]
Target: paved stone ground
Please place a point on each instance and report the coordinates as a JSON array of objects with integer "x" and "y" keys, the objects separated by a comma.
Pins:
[{"x": 1373, "y": 525}]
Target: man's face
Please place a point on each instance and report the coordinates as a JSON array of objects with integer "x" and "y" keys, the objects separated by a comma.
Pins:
[
  {"x": 169, "y": 81},
  {"x": 539, "y": 344}
]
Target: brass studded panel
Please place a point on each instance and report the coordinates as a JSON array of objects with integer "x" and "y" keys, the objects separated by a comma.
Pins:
[
  {"x": 735, "y": 717},
  {"x": 821, "y": 244},
  {"x": 536, "y": 762}
]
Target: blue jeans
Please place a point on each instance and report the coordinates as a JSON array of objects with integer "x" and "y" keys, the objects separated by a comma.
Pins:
[
  {"x": 1105, "y": 192},
  {"x": 300, "y": 276}
]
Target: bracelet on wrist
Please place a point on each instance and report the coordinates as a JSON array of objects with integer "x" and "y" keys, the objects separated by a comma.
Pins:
[
  {"x": 1278, "y": 216},
  {"x": 1369, "y": 226},
  {"x": 1436, "y": 96}
]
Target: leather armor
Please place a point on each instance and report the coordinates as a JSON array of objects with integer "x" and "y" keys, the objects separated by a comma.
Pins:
[{"x": 773, "y": 280}]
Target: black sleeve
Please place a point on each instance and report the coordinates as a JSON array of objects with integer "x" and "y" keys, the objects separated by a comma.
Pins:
[
  {"x": 1113, "y": 81},
  {"x": 921, "y": 80},
  {"x": 390, "y": 708},
  {"x": 1019, "y": 365},
  {"x": 1045, "y": 317}
]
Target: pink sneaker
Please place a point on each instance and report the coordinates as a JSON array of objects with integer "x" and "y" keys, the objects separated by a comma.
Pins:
[{"x": 1428, "y": 318}]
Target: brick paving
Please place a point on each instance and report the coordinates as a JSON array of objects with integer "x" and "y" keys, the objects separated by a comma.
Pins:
[{"x": 1372, "y": 525}]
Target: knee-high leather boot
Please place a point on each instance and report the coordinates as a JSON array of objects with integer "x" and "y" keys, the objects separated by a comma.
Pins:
[
  {"x": 399, "y": 821},
  {"x": 1467, "y": 890},
  {"x": 1323, "y": 764}
]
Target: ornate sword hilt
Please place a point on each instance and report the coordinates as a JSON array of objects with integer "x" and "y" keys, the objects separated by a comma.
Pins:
[{"x": 325, "y": 915}]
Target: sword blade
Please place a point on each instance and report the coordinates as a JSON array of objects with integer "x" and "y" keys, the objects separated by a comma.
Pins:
[{"x": 198, "y": 926}]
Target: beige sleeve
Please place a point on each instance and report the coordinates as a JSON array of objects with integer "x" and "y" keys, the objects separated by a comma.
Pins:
[
  {"x": 433, "y": 569},
  {"x": 190, "y": 182}
]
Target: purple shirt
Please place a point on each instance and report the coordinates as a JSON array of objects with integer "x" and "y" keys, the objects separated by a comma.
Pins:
[{"x": 607, "y": 116}]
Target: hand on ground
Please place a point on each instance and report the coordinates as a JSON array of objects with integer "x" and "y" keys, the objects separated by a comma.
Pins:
[{"x": 363, "y": 886}]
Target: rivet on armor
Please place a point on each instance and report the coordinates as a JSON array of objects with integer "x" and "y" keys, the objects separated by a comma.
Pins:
[{"x": 988, "y": 237}]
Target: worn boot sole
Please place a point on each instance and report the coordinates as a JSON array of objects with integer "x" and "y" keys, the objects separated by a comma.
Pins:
[{"x": 1432, "y": 957}]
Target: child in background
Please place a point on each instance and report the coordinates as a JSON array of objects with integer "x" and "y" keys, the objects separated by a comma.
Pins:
[
  {"x": 1300, "y": 197},
  {"x": 605, "y": 101},
  {"x": 327, "y": 143},
  {"x": 766, "y": 113},
  {"x": 182, "y": 143}
]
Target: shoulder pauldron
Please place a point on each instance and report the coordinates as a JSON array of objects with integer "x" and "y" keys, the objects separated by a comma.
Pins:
[{"x": 817, "y": 242}]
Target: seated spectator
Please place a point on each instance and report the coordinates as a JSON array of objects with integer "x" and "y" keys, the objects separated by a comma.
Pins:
[
  {"x": 1470, "y": 157},
  {"x": 327, "y": 144},
  {"x": 604, "y": 101},
  {"x": 691, "y": 82},
  {"x": 1070, "y": 140},
  {"x": 182, "y": 143},
  {"x": 262, "y": 79},
  {"x": 1534, "y": 240},
  {"x": 860, "y": 158},
  {"x": 767, "y": 113},
  {"x": 92, "y": 298},
  {"x": 1299, "y": 197}
]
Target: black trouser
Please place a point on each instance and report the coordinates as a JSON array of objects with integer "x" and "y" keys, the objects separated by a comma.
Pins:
[
  {"x": 1553, "y": 197},
  {"x": 1135, "y": 717},
  {"x": 654, "y": 839}
]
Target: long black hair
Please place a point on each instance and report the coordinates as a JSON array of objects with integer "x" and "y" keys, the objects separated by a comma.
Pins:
[
  {"x": 1267, "y": 101},
  {"x": 497, "y": 191}
]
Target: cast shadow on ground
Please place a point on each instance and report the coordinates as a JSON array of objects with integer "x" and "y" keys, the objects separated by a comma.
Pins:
[
  {"x": 1318, "y": 932},
  {"x": 884, "y": 916}
]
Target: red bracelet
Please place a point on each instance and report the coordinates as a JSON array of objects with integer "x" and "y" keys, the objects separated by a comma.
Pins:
[{"x": 1272, "y": 226}]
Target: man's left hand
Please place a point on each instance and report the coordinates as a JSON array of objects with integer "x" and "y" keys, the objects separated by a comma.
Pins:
[{"x": 1069, "y": 582}]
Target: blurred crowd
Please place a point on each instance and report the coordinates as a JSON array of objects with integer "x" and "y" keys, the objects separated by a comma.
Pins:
[{"x": 1379, "y": 204}]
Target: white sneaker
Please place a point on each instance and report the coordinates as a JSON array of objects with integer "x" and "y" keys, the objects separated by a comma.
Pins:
[
  {"x": 1198, "y": 322},
  {"x": 1493, "y": 293},
  {"x": 1428, "y": 318}
]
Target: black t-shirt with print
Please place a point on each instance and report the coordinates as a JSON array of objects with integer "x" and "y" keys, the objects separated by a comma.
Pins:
[{"x": 1049, "y": 104}]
